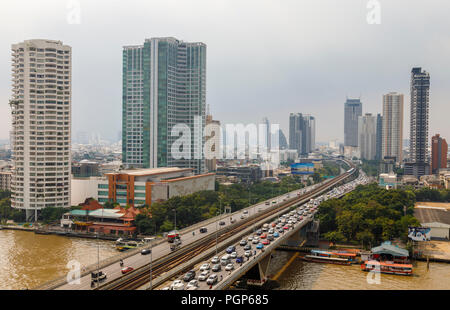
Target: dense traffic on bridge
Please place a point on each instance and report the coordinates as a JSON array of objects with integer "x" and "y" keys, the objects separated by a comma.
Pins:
[{"x": 208, "y": 274}]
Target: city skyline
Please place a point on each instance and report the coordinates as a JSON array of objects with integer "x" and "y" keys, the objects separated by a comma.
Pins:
[{"x": 370, "y": 75}]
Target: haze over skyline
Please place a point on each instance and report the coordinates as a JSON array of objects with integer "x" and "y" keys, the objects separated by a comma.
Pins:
[{"x": 264, "y": 58}]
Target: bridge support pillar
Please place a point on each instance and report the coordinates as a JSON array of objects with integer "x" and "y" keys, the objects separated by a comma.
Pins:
[{"x": 263, "y": 267}]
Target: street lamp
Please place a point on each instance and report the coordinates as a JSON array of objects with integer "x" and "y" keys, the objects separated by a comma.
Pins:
[
  {"x": 175, "y": 210},
  {"x": 217, "y": 218}
]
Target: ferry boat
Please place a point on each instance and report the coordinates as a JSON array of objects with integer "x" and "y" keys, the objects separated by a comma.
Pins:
[
  {"x": 123, "y": 245},
  {"x": 387, "y": 267},
  {"x": 331, "y": 257}
]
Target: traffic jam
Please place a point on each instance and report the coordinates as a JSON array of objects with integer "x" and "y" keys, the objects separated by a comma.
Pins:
[{"x": 208, "y": 275}]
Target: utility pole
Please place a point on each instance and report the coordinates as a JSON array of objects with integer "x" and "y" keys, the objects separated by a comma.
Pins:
[{"x": 174, "y": 210}]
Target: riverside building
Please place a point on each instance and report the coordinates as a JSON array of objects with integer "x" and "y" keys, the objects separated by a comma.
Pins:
[{"x": 41, "y": 122}]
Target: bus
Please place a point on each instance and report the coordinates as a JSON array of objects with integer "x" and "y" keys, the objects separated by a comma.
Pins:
[{"x": 172, "y": 236}]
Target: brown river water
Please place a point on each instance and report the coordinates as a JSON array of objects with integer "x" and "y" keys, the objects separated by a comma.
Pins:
[
  {"x": 301, "y": 275},
  {"x": 28, "y": 260}
]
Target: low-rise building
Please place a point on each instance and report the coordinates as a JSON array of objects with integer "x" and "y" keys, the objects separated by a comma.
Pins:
[
  {"x": 388, "y": 180},
  {"x": 5, "y": 180},
  {"x": 144, "y": 186},
  {"x": 250, "y": 173},
  {"x": 438, "y": 230},
  {"x": 94, "y": 218}
]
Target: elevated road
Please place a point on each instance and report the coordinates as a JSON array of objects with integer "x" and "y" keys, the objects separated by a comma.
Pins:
[{"x": 197, "y": 247}]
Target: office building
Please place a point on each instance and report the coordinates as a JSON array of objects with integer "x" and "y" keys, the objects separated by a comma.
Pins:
[
  {"x": 392, "y": 126},
  {"x": 353, "y": 110},
  {"x": 367, "y": 136},
  {"x": 213, "y": 146},
  {"x": 420, "y": 92},
  {"x": 439, "y": 149},
  {"x": 164, "y": 85},
  {"x": 302, "y": 133},
  {"x": 378, "y": 155},
  {"x": 145, "y": 186},
  {"x": 41, "y": 121}
]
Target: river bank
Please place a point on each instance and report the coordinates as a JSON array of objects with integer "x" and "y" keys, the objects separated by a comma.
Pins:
[
  {"x": 301, "y": 275},
  {"x": 28, "y": 260}
]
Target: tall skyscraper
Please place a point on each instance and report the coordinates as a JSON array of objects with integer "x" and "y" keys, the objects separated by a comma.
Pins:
[
  {"x": 439, "y": 149},
  {"x": 378, "y": 156},
  {"x": 302, "y": 133},
  {"x": 268, "y": 135},
  {"x": 211, "y": 161},
  {"x": 41, "y": 120},
  {"x": 420, "y": 91},
  {"x": 164, "y": 84},
  {"x": 367, "y": 136},
  {"x": 295, "y": 131},
  {"x": 353, "y": 110},
  {"x": 392, "y": 126}
]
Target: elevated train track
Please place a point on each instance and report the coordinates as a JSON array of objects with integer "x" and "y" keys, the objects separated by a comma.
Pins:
[{"x": 141, "y": 276}]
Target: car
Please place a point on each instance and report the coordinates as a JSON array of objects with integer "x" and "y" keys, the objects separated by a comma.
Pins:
[
  {"x": 127, "y": 269},
  {"x": 212, "y": 279},
  {"x": 271, "y": 231},
  {"x": 259, "y": 232},
  {"x": 231, "y": 249},
  {"x": 233, "y": 255},
  {"x": 146, "y": 251},
  {"x": 203, "y": 230},
  {"x": 215, "y": 260},
  {"x": 177, "y": 285},
  {"x": 273, "y": 225},
  {"x": 229, "y": 267},
  {"x": 242, "y": 217},
  {"x": 290, "y": 224},
  {"x": 247, "y": 247},
  {"x": 267, "y": 203},
  {"x": 286, "y": 227},
  {"x": 232, "y": 220},
  {"x": 281, "y": 230},
  {"x": 276, "y": 234},
  {"x": 243, "y": 243},
  {"x": 216, "y": 268},
  {"x": 263, "y": 236},
  {"x": 265, "y": 242},
  {"x": 270, "y": 237},
  {"x": 192, "y": 285},
  {"x": 221, "y": 223},
  {"x": 245, "y": 211},
  {"x": 205, "y": 266},
  {"x": 190, "y": 275},
  {"x": 225, "y": 260},
  {"x": 274, "y": 201},
  {"x": 250, "y": 238},
  {"x": 259, "y": 246},
  {"x": 204, "y": 275},
  {"x": 255, "y": 241},
  {"x": 98, "y": 276},
  {"x": 248, "y": 253},
  {"x": 239, "y": 260}
]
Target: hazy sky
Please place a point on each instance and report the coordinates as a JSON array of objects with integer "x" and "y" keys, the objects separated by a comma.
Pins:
[{"x": 264, "y": 58}]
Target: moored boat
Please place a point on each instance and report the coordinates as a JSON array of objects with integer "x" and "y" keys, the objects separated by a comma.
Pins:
[
  {"x": 387, "y": 267},
  {"x": 331, "y": 257}
]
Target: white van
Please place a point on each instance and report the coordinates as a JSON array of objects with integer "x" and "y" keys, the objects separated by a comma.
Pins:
[{"x": 225, "y": 260}]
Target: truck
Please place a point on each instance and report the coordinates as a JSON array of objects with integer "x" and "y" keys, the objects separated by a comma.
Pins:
[
  {"x": 172, "y": 236},
  {"x": 176, "y": 245}
]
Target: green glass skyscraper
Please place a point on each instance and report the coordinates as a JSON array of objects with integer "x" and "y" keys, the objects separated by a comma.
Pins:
[{"x": 164, "y": 84}]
